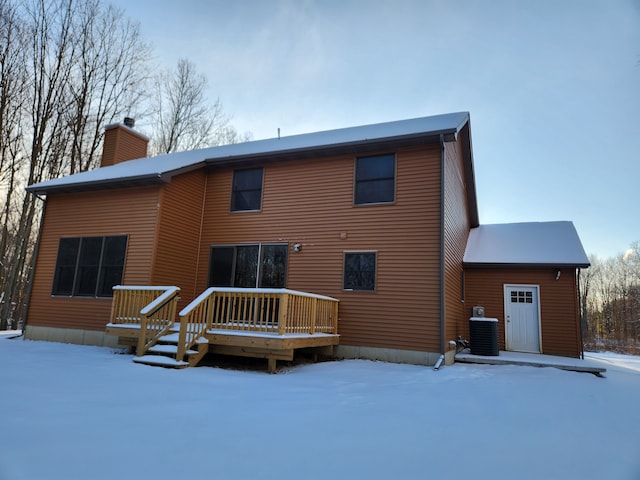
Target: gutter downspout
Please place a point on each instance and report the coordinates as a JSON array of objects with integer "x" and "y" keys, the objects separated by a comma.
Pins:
[
  {"x": 580, "y": 317},
  {"x": 439, "y": 363},
  {"x": 442, "y": 309},
  {"x": 32, "y": 267}
]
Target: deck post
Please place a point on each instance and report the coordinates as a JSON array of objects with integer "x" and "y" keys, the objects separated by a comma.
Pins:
[
  {"x": 142, "y": 339},
  {"x": 282, "y": 314},
  {"x": 271, "y": 365},
  {"x": 210, "y": 311},
  {"x": 314, "y": 315}
]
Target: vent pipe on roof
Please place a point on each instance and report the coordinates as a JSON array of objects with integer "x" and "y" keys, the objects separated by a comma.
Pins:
[{"x": 129, "y": 122}]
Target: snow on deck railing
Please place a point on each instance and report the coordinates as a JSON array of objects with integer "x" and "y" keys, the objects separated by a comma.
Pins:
[
  {"x": 143, "y": 305},
  {"x": 157, "y": 303},
  {"x": 277, "y": 310},
  {"x": 210, "y": 290}
]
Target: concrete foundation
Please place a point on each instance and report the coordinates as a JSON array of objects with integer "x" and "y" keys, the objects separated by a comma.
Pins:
[
  {"x": 386, "y": 355},
  {"x": 450, "y": 357},
  {"x": 70, "y": 335},
  {"x": 93, "y": 337}
]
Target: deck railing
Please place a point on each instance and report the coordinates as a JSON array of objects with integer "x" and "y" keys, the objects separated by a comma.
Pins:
[
  {"x": 273, "y": 310},
  {"x": 152, "y": 308}
]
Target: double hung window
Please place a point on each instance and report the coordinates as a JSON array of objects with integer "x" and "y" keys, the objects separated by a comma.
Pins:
[
  {"x": 375, "y": 179},
  {"x": 246, "y": 193}
]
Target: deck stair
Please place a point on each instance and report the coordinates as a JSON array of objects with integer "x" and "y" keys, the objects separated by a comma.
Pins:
[
  {"x": 163, "y": 353},
  {"x": 269, "y": 323}
]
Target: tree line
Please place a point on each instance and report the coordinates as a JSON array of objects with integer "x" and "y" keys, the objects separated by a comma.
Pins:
[
  {"x": 610, "y": 302},
  {"x": 68, "y": 69}
]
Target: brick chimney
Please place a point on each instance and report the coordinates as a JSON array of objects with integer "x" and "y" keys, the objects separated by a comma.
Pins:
[{"x": 122, "y": 142}]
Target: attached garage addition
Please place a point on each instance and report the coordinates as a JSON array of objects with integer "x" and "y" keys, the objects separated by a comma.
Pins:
[{"x": 525, "y": 275}]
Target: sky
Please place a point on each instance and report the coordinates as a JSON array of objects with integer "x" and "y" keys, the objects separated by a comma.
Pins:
[{"x": 552, "y": 87}]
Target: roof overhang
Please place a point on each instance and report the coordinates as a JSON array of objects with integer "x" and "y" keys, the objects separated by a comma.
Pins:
[
  {"x": 558, "y": 265},
  {"x": 112, "y": 183},
  {"x": 353, "y": 140}
]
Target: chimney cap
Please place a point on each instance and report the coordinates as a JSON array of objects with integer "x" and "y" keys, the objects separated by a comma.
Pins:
[{"x": 129, "y": 122}]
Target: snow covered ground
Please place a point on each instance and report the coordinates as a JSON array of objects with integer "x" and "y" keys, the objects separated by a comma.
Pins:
[{"x": 73, "y": 412}]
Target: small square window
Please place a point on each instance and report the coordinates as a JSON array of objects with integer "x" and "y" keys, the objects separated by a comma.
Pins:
[
  {"x": 246, "y": 194},
  {"x": 375, "y": 179},
  {"x": 360, "y": 271}
]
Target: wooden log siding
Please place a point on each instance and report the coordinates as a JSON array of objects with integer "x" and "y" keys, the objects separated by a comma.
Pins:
[
  {"x": 558, "y": 304},
  {"x": 311, "y": 202},
  {"x": 456, "y": 232},
  {"x": 131, "y": 212}
]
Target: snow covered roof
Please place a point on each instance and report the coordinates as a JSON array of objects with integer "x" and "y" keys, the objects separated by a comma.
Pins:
[
  {"x": 160, "y": 169},
  {"x": 553, "y": 244}
]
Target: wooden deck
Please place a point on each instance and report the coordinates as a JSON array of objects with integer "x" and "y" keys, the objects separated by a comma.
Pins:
[{"x": 259, "y": 323}]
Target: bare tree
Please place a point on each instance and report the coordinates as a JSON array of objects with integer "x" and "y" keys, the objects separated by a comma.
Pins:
[
  {"x": 610, "y": 296},
  {"x": 67, "y": 68},
  {"x": 13, "y": 77},
  {"x": 107, "y": 78},
  {"x": 587, "y": 279},
  {"x": 183, "y": 119},
  {"x": 48, "y": 28}
]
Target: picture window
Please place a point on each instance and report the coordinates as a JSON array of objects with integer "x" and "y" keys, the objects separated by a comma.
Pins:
[{"x": 89, "y": 266}]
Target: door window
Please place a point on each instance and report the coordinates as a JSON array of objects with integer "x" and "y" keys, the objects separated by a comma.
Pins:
[{"x": 518, "y": 296}]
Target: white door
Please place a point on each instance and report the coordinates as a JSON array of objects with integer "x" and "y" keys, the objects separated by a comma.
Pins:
[{"x": 522, "y": 318}]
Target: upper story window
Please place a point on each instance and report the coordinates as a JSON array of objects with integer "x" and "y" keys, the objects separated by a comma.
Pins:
[
  {"x": 375, "y": 179},
  {"x": 246, "y": 194},
  {"x": 89, "y": 266}
]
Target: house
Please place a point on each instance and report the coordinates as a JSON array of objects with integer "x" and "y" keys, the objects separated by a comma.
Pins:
[{"x": 378, "y": 223}]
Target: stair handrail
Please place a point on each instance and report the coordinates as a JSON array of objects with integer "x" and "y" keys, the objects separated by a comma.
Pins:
[
  {"x": 159, "y": 302},
  {"x": 157, "y": 318},
  {"x": 194, "y": 322}
]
